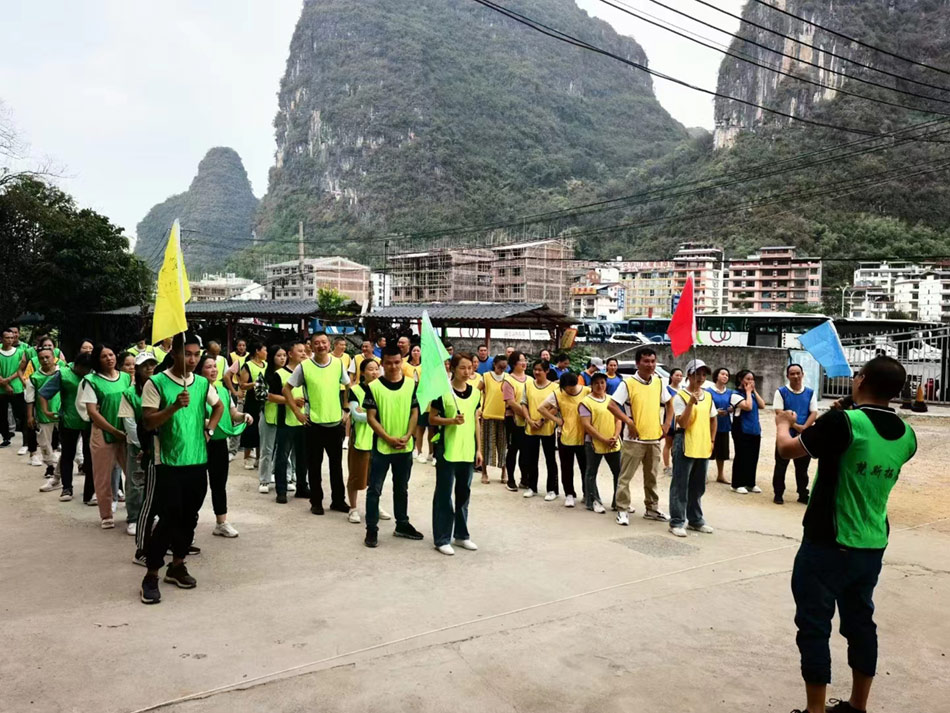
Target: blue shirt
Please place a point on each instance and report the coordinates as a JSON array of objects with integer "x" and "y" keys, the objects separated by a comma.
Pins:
[
  {"x": 721, "y": 402},
  {"x": 612, "y": 383},
  {"x": 560, "y": 372},
  {"x": 587, "y": 378},
  {"x": 485, "y": 366},
  {"x": 748, "y": 421},
  {"x": 799, "y": 403}
]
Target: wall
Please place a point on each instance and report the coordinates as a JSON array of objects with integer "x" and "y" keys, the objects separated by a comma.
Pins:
[{"x": 768, "y": 363}]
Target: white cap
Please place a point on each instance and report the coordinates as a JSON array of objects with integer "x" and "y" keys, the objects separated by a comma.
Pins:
[
  {"x": 143, "y": 357},
  {"x": 597, "y": 362},
  {"x": 695, "y": 365}
]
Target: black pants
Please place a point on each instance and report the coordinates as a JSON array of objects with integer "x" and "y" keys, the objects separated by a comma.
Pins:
[
  {"x": 218, "y": 475},
  {"x": 529, "y": 461},
  {"x": 746, "y": 459},
  {"x": 327, "y": 439},
  {"x": 295, "y": 438},
  {"x": 69, "y": 439},
  {"x": 801, "y": 475},
  {"x": 143, "y": 529},
  {"x": 823, "y": 576},
  {"x": 568, "y": 454},
  {"x": 15, "y": 403},
  {"x": 515, "y": 435},
  {"x": 179, "y": 494}
]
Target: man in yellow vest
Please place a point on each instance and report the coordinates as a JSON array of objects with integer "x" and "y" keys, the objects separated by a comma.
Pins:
[
  {"x": 494, "y": 436},
  {"x": 561, "y": 408},
  {"x": 640, "y": 402},
  {"x": 321, "y": 377}
]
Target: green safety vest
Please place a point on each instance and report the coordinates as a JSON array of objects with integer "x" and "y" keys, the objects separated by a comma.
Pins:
[
  {"x": 8, "y": 367},
  {"x": 393, "y": 409},
  {"x": 68, "y": 388},
  {"x": 271, "y": 409},
  {"x": 38, "y": 378},
  {"x": 226, "y": 428},
  {"x": 362, "y": 433},
  {"x": 868, "y": 470},
  {"x": 182, "y": 437},
  {"x": 323, "y": 390},
  {"x": 256, "y": 373},
  {"x": 222, "y": 364},
  {"x": 109, "y": 398},
  {"x": 459, "y": 440}
]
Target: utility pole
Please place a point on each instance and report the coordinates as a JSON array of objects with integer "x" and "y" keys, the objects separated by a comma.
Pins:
[{"x": 300, "y": 254}]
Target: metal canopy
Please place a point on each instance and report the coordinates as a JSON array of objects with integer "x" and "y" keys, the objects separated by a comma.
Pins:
[
  {"x": 478, "y": 314},
  {"x": 289, "y": 309}
]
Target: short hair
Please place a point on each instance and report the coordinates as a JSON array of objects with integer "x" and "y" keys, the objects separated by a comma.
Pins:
[
  {"x": 884, "y": 377},
  {"x": 119, "y": 360},
  {"x": 540, "y": 362},
  {"x": 319, "y": 333},
  {"x": 366, "y": 341},
  {"x": 644, "y": 351},
  {"x": 562, "y": 357},
  {"x": 567, "y": 380},
  {"x": 212, "y": 341},
  {"x": 339, "y": 339},
  {"x": 39, "y": 350},
  {"x": 599, "y": 376},
  {"x": 239, "y": 340},
  {"x": 457, "y": 358},
  {"x": 83, "y": 361},
  {"x": 501, "y": 357},
  {"x": 483, "y": 346},
  {"x": 7, "y": 329},
  {"x": 391, "y": 350},
  {"x": 715, "y": 374},
  {"x": 180, "y": 341},
  {"x": 448, "y": 345},
  {"x": 515, "y": 357},
  {"x": 790, "y": 366},
  {"x": 255, "y": 347}
]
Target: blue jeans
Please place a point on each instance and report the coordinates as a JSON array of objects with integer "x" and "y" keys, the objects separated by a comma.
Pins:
[
  {"x": 290, "y": 440},
  {"x": 450, "y": 476},
  {"x": 401, "y": 464},
  {"x": 687, "y": 486},
  {"x": 591, "y": 491},
  {"x": 825, "y": 575}
]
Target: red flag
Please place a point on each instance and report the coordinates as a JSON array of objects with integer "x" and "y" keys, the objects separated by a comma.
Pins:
[{"x": 682, "y": 329}]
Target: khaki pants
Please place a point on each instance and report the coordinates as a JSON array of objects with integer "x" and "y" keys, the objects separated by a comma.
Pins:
[
  {"x": 104, "y": 456},
  {"x": 632, "y": 456},
  {"x": 44, "y": 439}
]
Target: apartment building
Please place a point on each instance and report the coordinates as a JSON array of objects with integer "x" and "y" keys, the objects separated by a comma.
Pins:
[
  {"x": 648, "y": 288},
  {"x": 925, "y": 296},
  {"x": 537, "y": 272},
  {"x": 874, "y": 292},
  {"x": 301, "y": 279},
  {"x": 216, "y": 288},
  {"x": 599, "y": 301},
  {"x": 442, "y": 275},
  {"x": 773, "y": 279},
  {"x": 706, "y": 264}
]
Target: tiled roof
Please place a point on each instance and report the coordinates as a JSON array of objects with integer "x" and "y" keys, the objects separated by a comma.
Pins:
[
  {"x": 237, "y": 308},
  {"x": 473, "y": 312}
]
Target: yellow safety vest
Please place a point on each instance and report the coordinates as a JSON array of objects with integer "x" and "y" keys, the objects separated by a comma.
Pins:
[
  {"x": 698, "y": 437},
  {"x": 535, "y": 398},
  {"x": 603, "y": 421},
  {"x": 645, "y": 407},
  {"x": 572, "y": 434},
  {"x": 494, "y": 403}
]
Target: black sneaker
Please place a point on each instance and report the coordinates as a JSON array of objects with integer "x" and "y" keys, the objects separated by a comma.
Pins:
[
  {"x": 337, "y": 507},
  {"x": 316, "y": 509},
  {"x": 50, "y": 471},
  {"x": 179, "y": 575},
  {"x": 803, "y": 499},
  {"x": 836, "y": 706},
  {"x": 150, "y": 593},
  {"x": 510, "y": 486},
  {"x": 778, "y": 500},
  {"x": 66, "y": 495},
  {"x": 282, "y": 498},
  {"x": 407, "y": 531},
  {"x": 192, "y": 551},
  {"x": 5, "y": 444},
  {"x": 302, "y": 493},
  {"x": 372, "y": 538},
  {"x": 139, "y": 558}
]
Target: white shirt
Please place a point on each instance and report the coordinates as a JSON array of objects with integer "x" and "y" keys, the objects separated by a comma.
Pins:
[
  {"x": 29, "y": 393},
  {"x": 152, "y": 399},
  {"x": 85, "y": 394},
  {"x": 622, "y": 398},
  {"x": 778, "y": 403}
]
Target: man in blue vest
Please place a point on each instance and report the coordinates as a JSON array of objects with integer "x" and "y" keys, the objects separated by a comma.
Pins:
[{"x": 798, "y": 398}]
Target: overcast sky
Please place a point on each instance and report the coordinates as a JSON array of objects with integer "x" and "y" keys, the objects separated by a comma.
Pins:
[{"x": 127, "y": 97}]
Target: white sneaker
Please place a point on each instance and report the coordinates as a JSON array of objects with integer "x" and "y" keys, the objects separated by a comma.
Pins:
[
  {"x": 291, "y": 487},
  {"x": 93, "y": 501},
  {"x": 528, "y": 494},
  {"x": 49, "y": 485},
  {"x": 667, "y": 471},
  {"x": 446, "y": 549},
  {"x": 678, "y": 531},
  {"x": 755, "y": 489},
  {"x": 550, "y": 496},
  {"x": 263, "y": 488},
  {"x": 432, "y": 460},
  {"x": 121, "y": 496},
  {"x": 107, "y": 524},
  {"x": 623, "y": 518},
  {"x": 346, "y": 443},
  {"x": 569, "y": 501},
  {"x": 115, "y": 506},
  {"x": 130, "y": 529},
  {"x": 631, "y": 509},
  {"x": 420, "y": 458},
  {"x": 249, "y": 464},
  {"x": 231, "y": 457},
  {"x": 466, "y": 544},
  {"x": 224, "y": 529},
  {"x": 657, "y": 515},
  {"x": 23, "y": 451},
  {"x": 705, "y": 529},
  {"x": 36, "y": 460},
  {"x": 740, "y": 490},
  {"x": 383, "y": 515},
  {"x": 354, "y": 516}
]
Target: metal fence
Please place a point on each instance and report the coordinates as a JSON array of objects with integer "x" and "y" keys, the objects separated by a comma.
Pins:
[{"x": 925, "y": 355}]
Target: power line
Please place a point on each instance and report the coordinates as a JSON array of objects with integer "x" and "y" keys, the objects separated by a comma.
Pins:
[
  {"x": 771, "y": 68},
  {"x": 806, "y": 44},
  {"x": 852, "y": 39}
]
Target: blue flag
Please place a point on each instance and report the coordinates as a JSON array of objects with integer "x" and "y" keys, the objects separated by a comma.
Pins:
[{"x": 823, "y": 343}]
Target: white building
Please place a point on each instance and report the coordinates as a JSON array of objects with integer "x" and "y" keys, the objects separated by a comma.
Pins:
[
  {"x": 215, "y": 288},
  {"x": 604, "y": 302},
  {"x": 381, "y": 284},
  {"x": 301, "y": 279},
  {"x": 874, "y": 291},
  {"x": 933, "y": 297}
]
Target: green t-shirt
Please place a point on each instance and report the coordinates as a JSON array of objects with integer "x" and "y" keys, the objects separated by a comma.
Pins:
[
  {"x": 393, "y": 402},
  {"x": 9, "y": 364},
  {"x": 109, "y": 397},
  {"x": 182, "y": 437}
]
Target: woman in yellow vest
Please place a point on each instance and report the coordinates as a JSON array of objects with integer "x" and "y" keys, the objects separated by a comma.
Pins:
[
  {"x": 561, "y": 407},
  {"x": 360, "y": 452},
  {"x": 538, "y": 434},
  {"x": 458, "y": 451},
  {"x": 290, "y": 437},
  {"x": 267, "y": 427},
  {"x": 251, "y": 374},
  {"x": 695, "y": 416},
  {"x": 494, "y": 409},
  {"x": 513, "y": 393},
  {"x": 602, "y": 442}
]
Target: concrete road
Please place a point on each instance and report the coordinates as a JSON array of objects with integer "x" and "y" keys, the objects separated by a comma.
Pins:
[{"x": 559, "y": 610}]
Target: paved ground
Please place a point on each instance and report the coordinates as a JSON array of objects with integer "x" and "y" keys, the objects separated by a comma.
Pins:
[{"x": 560, "y": 610}]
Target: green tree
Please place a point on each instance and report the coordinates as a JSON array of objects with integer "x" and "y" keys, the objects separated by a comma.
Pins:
[
  {"x": 331, "y": 303},
  {"x": 61, "y": 261},
  {"x": 898, "y": 314}
]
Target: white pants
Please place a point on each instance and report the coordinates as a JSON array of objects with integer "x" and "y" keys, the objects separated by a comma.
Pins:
[{"x": 44, "y": 440}]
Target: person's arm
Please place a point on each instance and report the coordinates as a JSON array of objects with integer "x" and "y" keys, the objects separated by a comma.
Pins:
[
  {"x": 217, "y": 411},
  {"x": 244, "y": 378},
  {"x": 372, "y": 418},
  {"x": 812, "y": 414},
  {"x": 479, "y": 459},
  {"x": 154, "y": 417},
  {"x": 44, "y": 408},
  {"x": 668, "y": 417},
  {"x": 713, "y": 428},
  {"x": 99, "y": 420},
  {"x": 622, "y": 417},
  {"x": 787, "y": 445},
  {"x": 683, "y": 419},
  {"x": 759, "y": 400},
  {"x": 549, "y": 410},
  {"x": 356, "y": 413},
  {"x": 746, "y": 403},
  {"x": 131, "y": 431},
  {"x": 294, "y": 404},
  {"x": 437, "y": 415}
]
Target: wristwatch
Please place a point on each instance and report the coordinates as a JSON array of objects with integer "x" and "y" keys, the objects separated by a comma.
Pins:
[{"x": 209, "y": 431}]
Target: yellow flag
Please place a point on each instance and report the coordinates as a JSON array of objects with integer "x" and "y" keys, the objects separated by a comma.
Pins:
[{"x": 172, "y": 292}]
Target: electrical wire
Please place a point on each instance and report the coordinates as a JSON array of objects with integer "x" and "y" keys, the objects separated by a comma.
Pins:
[{"x": 852, "y": 39}]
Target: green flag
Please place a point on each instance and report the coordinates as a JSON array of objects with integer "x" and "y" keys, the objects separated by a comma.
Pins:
[{"x": 433, "y": 379}]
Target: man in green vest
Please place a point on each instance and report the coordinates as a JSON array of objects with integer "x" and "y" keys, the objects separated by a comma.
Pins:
[
  {"x": 38, "y": 420},
  {"x": 860, "y": 453},
  {"x": 12, "y": 364},
  {"x": 173, "y": 404},
  {"x": 321, "y": 376},
  {"x": 392, "y": 412}
]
